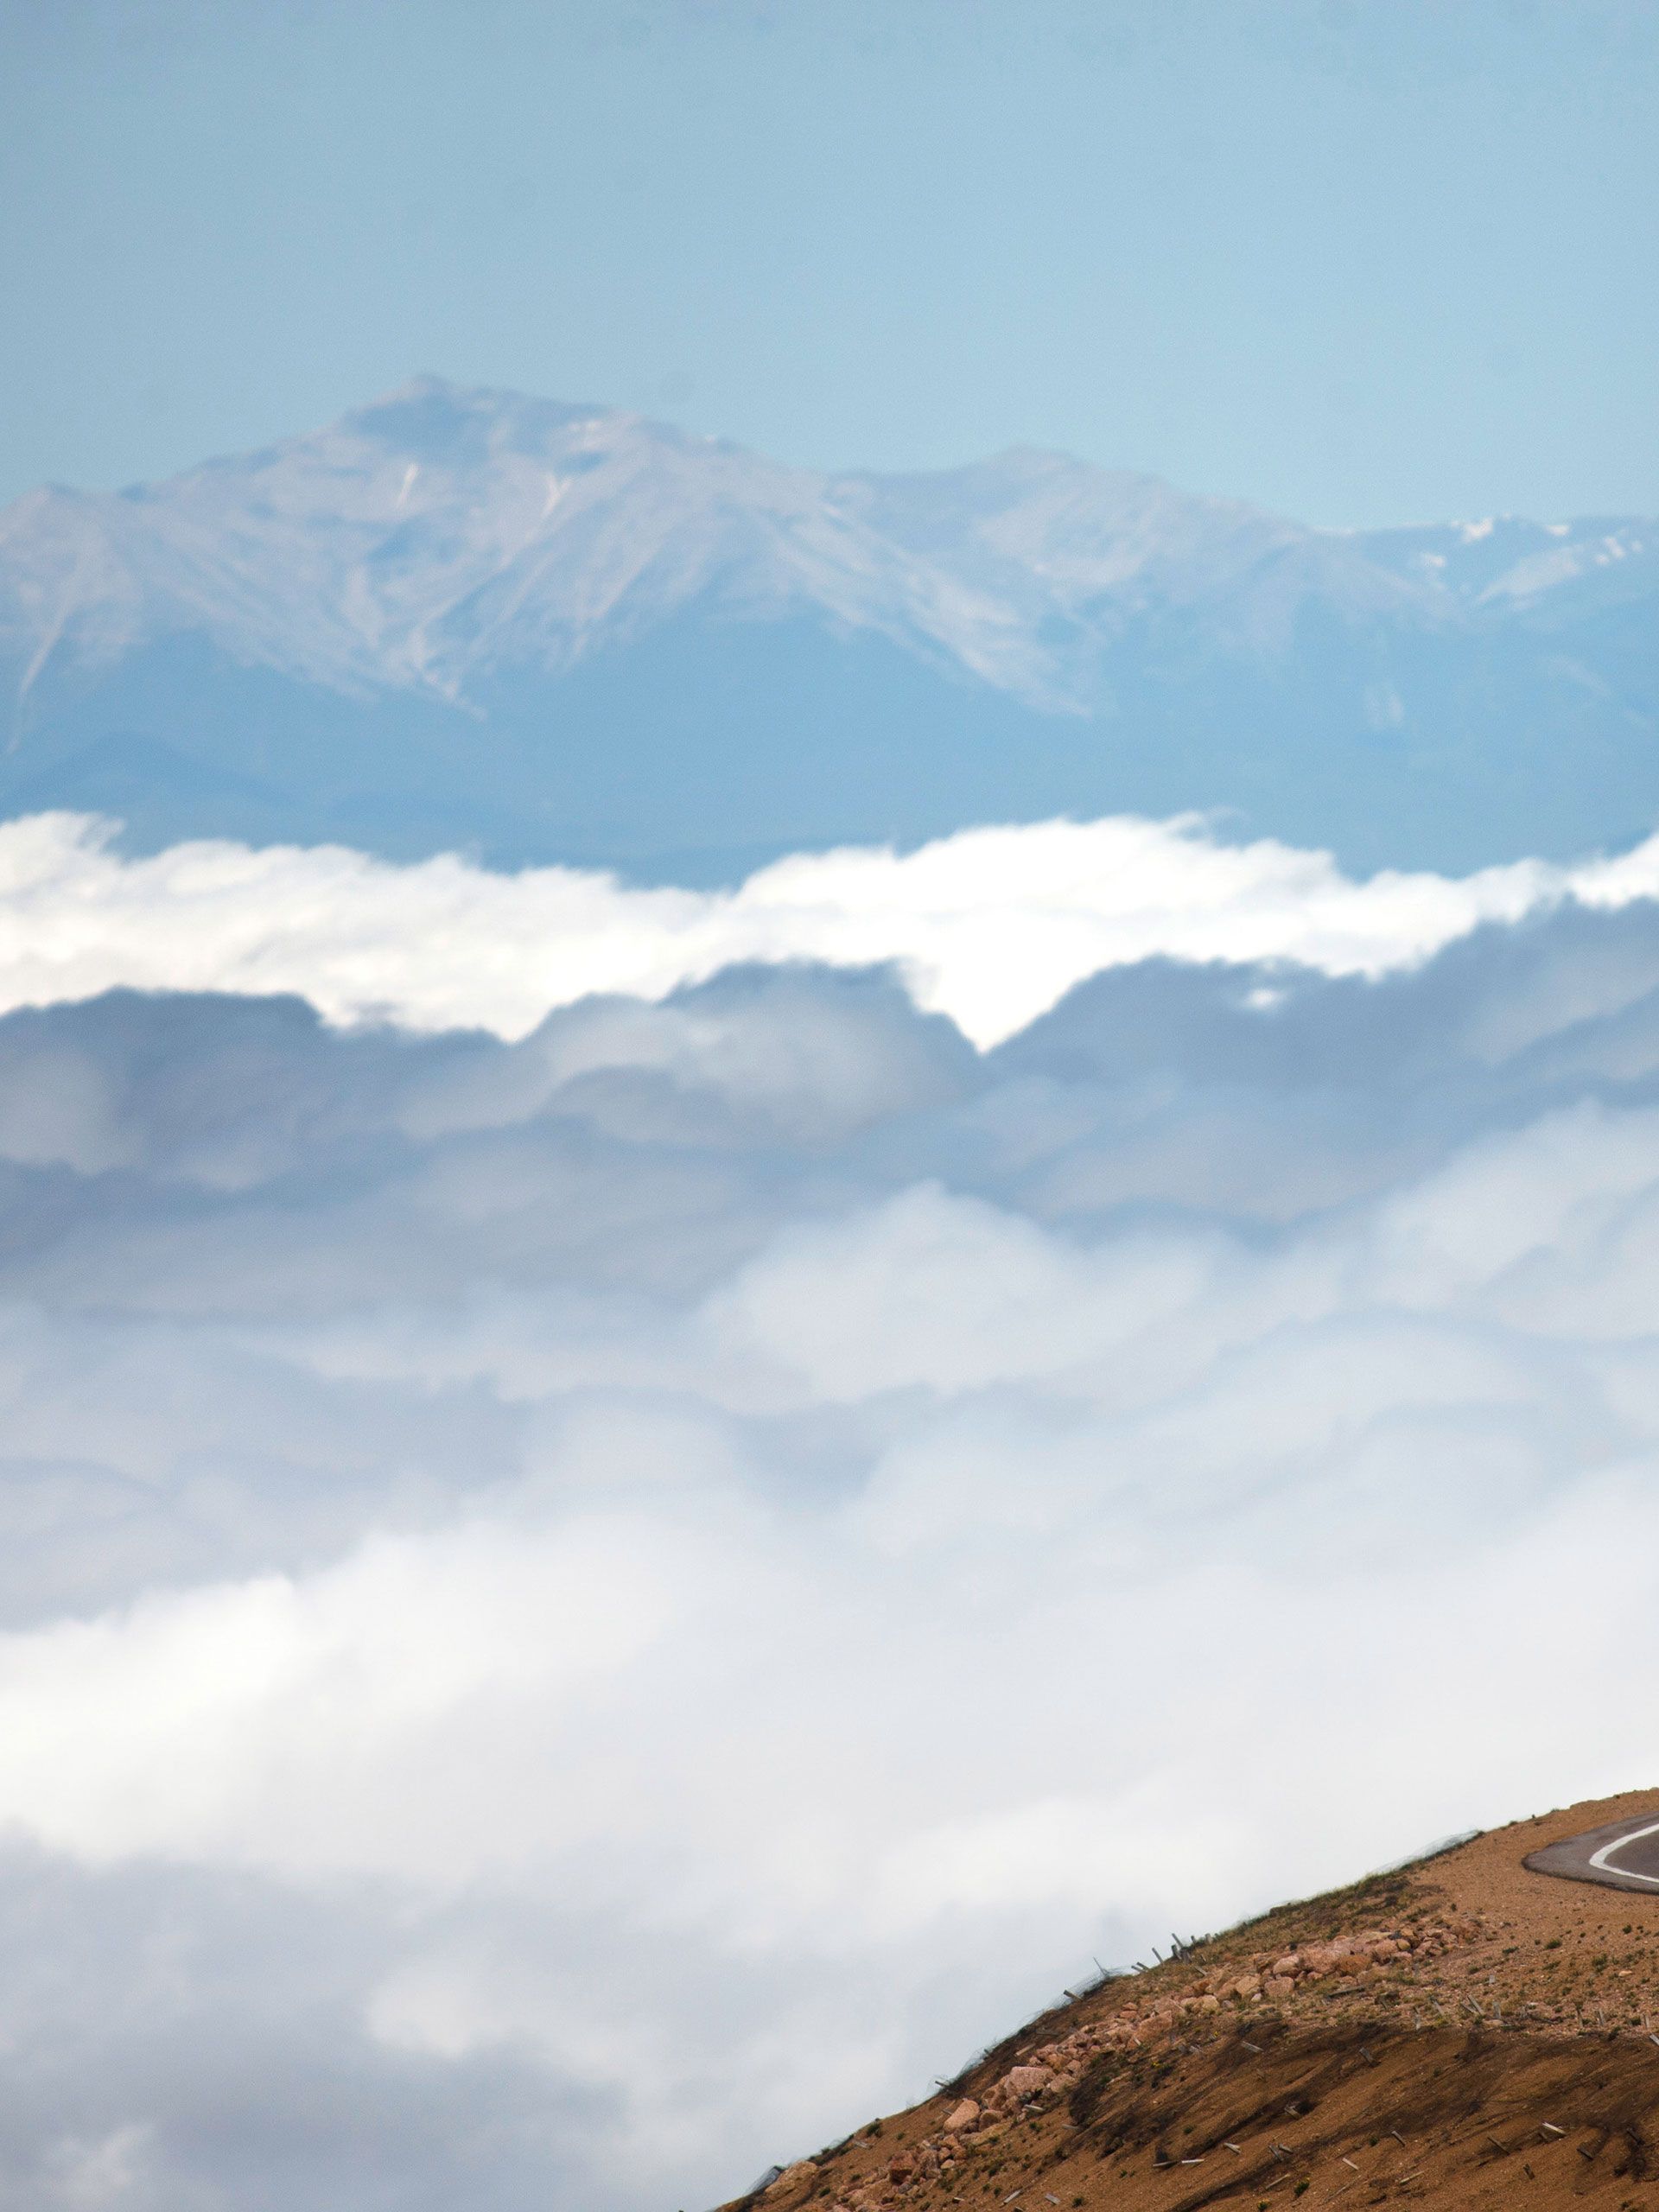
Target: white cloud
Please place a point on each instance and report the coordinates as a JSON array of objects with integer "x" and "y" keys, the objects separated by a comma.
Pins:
[
  {"x": 1159, "y": 1547},
  {"x": 950, "y": 1294},
  {"x": 643, "y": 1590},
  {"x": 990, "y": 926}
]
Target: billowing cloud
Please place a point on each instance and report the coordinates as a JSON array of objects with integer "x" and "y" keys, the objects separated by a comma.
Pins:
[
  {"x": 582, "y": 1609},
  {"x": 991, "y": 926}
]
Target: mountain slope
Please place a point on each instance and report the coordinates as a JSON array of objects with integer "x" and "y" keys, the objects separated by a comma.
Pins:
[
  {"x": 562, "y": 631},
  {"x": 1462, "y": 2034}
]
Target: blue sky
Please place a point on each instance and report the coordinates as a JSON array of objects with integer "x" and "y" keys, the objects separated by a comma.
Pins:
[{"x": 1362, "y": 263}]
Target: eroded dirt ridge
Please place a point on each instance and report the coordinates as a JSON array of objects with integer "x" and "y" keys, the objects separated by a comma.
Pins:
[{"x": 1462, "y": 2033}]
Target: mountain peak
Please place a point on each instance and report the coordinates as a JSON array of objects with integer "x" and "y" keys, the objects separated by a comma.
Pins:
[{"x": 459, "y": 426}]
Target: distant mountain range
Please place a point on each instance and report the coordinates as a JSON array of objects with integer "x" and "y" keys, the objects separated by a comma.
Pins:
[{"x": 466, "y": 618}]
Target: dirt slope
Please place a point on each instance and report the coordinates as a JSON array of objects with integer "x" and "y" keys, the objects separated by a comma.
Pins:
[{"x": 1464, "y": 2034}]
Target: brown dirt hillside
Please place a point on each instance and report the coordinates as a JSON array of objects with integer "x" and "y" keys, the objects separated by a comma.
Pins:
[{"x": 1463, "y": 2034}]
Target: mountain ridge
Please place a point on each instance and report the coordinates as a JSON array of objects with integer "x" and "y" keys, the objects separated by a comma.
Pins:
[{"x": 561, "y": 631}]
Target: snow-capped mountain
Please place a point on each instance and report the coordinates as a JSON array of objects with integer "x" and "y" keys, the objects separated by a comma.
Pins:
[{"x": 553, "y": 630}]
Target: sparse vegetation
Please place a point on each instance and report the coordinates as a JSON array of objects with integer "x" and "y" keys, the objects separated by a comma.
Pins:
[{"x": 1357, "y": 2037}]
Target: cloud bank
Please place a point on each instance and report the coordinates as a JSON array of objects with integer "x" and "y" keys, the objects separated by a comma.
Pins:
[
  {"x": 582, "y": 1609},
  {"x": 990, "y": 926}
]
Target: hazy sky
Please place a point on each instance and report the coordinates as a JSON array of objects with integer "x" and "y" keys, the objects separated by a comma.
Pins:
[{"x": 1361, "y": 261}]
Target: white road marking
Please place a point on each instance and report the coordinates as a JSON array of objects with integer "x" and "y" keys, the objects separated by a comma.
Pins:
[{"x": 1601, "y": 1859}]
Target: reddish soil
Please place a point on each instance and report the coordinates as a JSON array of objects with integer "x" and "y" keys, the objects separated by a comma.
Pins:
[{"x": 1465, "y": 2034}]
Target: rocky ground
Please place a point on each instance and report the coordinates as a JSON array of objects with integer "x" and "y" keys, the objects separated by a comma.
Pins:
[{"x": 1462, "y": 2034}]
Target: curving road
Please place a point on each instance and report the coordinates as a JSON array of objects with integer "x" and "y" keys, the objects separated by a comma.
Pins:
[{"x": 1625, "y": 1856}]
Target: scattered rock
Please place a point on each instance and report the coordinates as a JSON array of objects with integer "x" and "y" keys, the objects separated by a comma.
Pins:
[
  {"x": 1023, "y": 2082},
  {"x": 792, "y": 2178},
  {"x": 1144, "y": 2018}
]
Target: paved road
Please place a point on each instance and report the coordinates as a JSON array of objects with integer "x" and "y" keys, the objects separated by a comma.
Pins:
[{"x": 1624, "y": 1856}]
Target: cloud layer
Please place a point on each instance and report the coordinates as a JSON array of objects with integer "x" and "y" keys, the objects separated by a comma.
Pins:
[
  {"x": 581, "y": 1610},
  {"x": 990, "y": 926}
]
